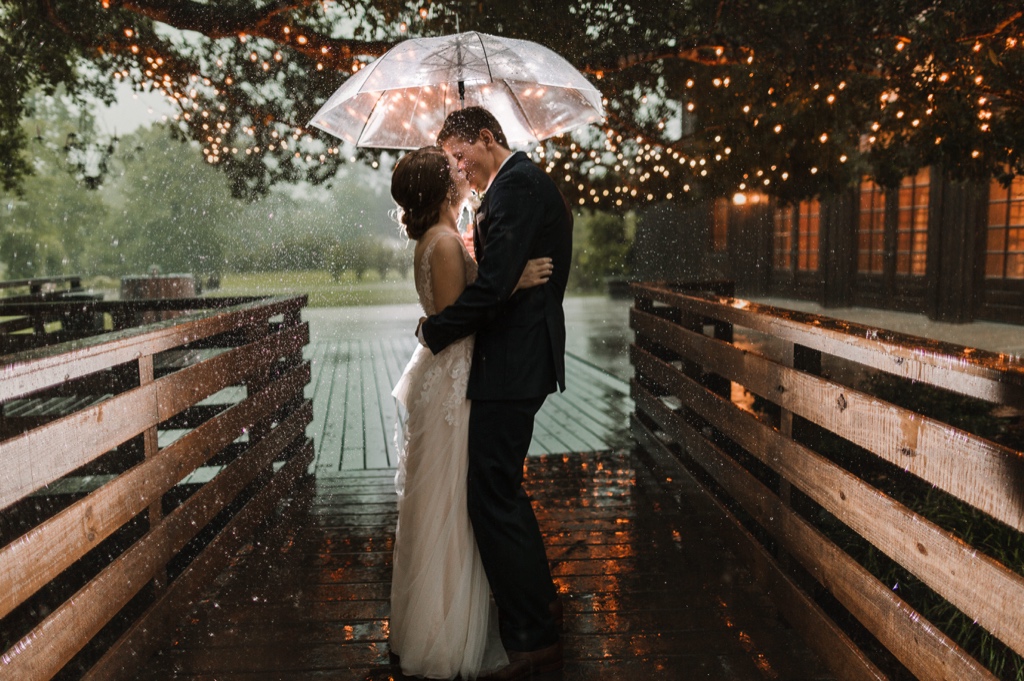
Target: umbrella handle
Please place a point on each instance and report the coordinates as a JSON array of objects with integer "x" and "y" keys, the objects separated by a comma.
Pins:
[{"x": 462, "y": 94}]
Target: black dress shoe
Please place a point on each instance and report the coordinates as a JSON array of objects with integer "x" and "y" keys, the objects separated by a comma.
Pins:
[{"x": 523, "y": 665}]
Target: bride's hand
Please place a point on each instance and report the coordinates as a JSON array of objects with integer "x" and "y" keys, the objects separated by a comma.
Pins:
[{"x": 536, "y": 272}]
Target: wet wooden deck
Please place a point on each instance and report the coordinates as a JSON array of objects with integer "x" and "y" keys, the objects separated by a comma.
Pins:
[
  {"x": 649, "y": 590},
  {"x": 354, "y": 415}
]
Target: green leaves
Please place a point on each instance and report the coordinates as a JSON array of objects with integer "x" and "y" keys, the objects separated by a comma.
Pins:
[{"x": 875, "y": 87}]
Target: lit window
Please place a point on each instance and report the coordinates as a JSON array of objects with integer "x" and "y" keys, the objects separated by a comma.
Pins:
[
  {"x": 912, "y": 225},
  {"x": 871, "y": 229},
  {"x": 807, "y": 232},
  {"x": 1004, "y": 253},
  {"x": 782, "y": 242}
]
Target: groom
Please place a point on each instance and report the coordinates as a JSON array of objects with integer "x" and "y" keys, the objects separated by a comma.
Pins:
[{"x": 518, "y": 359}]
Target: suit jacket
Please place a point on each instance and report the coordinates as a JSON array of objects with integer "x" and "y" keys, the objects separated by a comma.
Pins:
[{"x": 520, "y": 339}]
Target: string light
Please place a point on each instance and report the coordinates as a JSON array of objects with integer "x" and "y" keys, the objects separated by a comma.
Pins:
[{"x": 608, "y": 172}]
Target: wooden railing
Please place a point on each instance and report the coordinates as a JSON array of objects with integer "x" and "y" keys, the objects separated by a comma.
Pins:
[
  {"x": 782, "y": 493},
  {"x": 37, "y": 285},
  {"x": 163, "y": 447},
  {"x": 30, "y": 323}
]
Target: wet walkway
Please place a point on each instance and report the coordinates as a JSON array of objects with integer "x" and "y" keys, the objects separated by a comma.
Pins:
[
  {"x": 649, "y": 591},
  {"x": 358, "y": 354}
]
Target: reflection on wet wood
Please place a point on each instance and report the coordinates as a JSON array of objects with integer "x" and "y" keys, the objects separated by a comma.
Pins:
[
  {"x": 715, "y": 439},
  {"x": 928, "y": 652},
  {"x": 649, "y": 589}
]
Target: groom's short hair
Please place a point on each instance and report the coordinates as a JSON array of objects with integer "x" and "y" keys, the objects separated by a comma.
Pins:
[{"x": 468, "y": 123}]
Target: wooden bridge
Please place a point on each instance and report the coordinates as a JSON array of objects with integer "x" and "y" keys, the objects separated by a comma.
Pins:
[{"x": 749, "y": 537}]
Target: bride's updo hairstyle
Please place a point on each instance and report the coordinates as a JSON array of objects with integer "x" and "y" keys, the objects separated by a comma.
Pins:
[{"x": 420, "y": 185}]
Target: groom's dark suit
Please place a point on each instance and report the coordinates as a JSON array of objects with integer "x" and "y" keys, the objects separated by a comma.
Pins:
[{"x": 518, "y": 359}]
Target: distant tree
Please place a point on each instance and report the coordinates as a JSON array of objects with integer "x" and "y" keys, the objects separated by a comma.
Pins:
[
  {"x": 360, "y": 253},
  {"x": 403, "y": 262},
  {"x": 54, "y": 225},
  {"x": 602, "y": 244},
  {"x": 382, "y": 258},
  {"x": 172, "y": 206}
]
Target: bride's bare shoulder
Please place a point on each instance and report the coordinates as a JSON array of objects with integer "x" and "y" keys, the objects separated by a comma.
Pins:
[{"x": 435, "y": 238}]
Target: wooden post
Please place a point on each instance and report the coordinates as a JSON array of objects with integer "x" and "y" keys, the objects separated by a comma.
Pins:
[
  {"x": 804, "y": 359},
  {"x": 150, "y": 448},
  {"x": 721, "y": 385},
  {"x": 257, "y": 382}
]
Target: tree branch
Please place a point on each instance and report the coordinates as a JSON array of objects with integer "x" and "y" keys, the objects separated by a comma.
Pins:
[
  {"x": 999, "y": 28},
  {"x": 706, "y": 55},
  {"x": 214, "y": 23}
]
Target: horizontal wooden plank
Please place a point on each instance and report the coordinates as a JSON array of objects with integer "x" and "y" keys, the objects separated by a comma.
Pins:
[
  {"x": 48, "y": 647},
  {"x": 925, "y": 650},
  {"x": 815, "y": 627},
  {"x": 35, "y": 558},
  {"x": 966, "y": 371},
  {"x": 37, "y": 282},
  {"x": 157, "y": 624},
  {"x": 102, "y": 427},
  {"x": 15, "y": 324},
  {"x": 980, "y": 586},
  {"x": 60, "y": 306},
  {"x": 34, "y": 370},
  {"x": 971, "y": 468}
]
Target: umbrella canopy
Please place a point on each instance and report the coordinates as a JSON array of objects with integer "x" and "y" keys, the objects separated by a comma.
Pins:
[{"x": 401, "y": 100}]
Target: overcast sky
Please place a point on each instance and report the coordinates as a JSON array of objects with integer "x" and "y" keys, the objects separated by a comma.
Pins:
[{"x": 132, "y": 110}]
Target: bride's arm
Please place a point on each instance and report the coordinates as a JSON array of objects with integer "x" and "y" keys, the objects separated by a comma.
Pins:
[{"x": 447, "y": 272}]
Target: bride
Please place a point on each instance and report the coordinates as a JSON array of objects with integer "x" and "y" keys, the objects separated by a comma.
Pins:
[{"x": 443, "y": 622}]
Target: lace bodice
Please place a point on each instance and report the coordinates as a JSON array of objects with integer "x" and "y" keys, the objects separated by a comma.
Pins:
[
  {"x": 441, "y": 378},
  {"x": 421, "y": 267}
]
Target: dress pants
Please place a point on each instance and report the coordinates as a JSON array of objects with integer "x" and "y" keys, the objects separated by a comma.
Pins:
[{"x": 510, "y": 543}]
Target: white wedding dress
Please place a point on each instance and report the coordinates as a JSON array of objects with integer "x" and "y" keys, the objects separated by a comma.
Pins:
[{"x": 443, "y": 622}]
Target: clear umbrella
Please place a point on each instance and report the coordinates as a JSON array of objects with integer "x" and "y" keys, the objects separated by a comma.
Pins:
[{"x": 400, "y": 100}]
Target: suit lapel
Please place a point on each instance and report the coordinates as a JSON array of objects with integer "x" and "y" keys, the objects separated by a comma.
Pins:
[
  {"x": 480, "y": 229},
  {"x": 482, "y": 221}
]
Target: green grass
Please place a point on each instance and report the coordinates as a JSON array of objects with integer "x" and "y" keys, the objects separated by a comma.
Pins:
[{"x": 323, "y": 291}]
